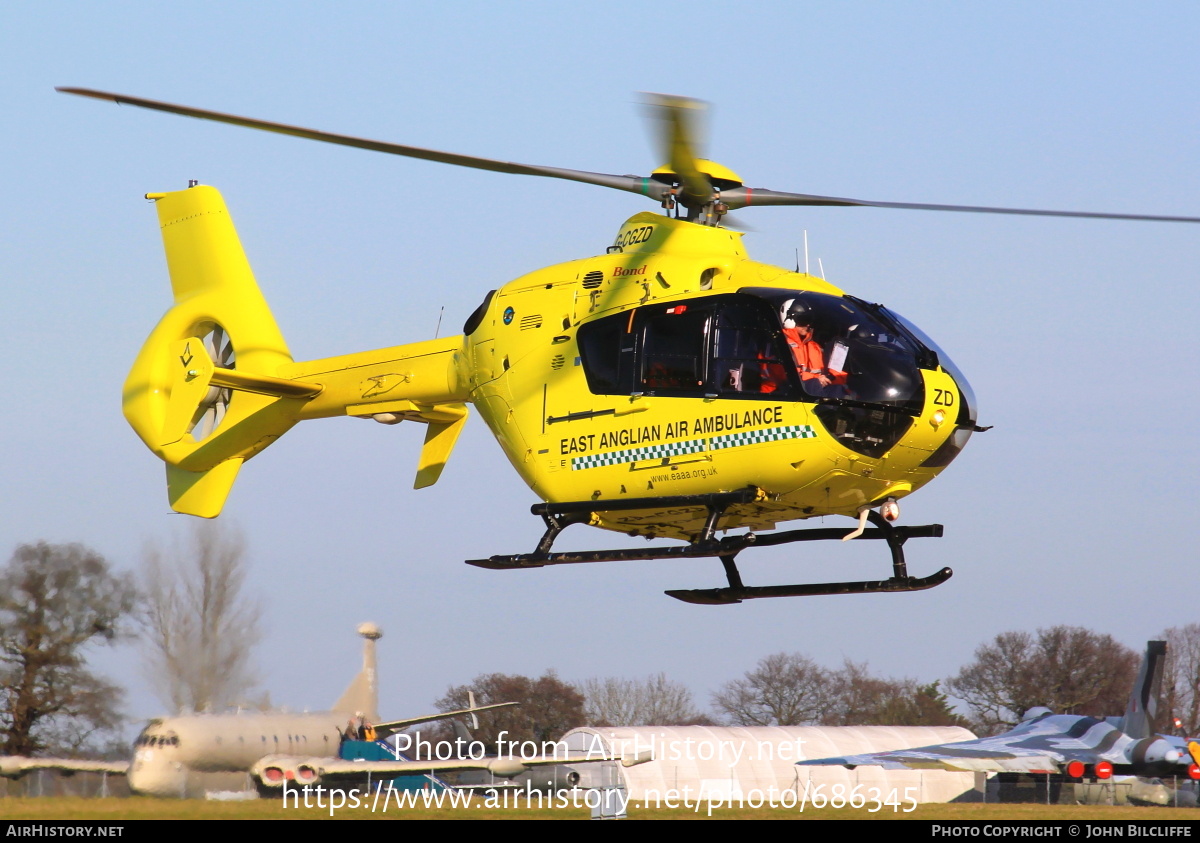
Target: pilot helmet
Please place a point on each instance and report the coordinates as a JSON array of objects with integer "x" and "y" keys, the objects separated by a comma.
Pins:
[{"x": 795, "y": 312}]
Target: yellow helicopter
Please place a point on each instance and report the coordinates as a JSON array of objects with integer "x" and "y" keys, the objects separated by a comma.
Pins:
[{"x": 670, "y": 388}]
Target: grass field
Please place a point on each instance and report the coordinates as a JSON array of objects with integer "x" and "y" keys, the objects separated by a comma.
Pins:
[{"x": 141, "y": 808}]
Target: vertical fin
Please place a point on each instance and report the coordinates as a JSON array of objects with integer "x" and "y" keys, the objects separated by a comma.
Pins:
[
  {"x": 440, "y": 437},
  {"x": 1142, "y": 711},
  {"x": 362, "y": 695},
  {"x": 216, "y": 297},
  {"x": 201, "y": 493},
  {"x": 461, "y": 732}
]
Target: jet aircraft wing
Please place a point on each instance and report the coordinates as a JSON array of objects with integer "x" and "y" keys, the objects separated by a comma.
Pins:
[
  {"x": 12, "y": 766},
  {"x": 1046, "y": 744},
  {"x": 275, "y": 770}
]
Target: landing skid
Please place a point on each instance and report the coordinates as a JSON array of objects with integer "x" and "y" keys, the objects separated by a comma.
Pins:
[{"x": 559, "y": 516}]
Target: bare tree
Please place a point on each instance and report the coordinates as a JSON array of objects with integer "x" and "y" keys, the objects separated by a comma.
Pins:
[
  {"x": 199, "y": 628},
  {"x": 548, "y": 707},
  {"x": 1068, "y": 669},
  {"x": 1181, "y": 680},
  {"x": 55, "y": 601},
  {"x": 858, "y": 699},
  {"x": 653, "y": 701},
  {"x": 786, "y": 689}
]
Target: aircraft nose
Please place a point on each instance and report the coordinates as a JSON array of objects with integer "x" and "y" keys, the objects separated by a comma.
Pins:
[{"x": 158, "y": 777}]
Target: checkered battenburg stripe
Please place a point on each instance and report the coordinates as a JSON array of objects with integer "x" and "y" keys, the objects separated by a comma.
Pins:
[
  {"x": 650, "y": 452},
  {"x": 693, "y": 446},
  {"x": 770, "y": 434}
]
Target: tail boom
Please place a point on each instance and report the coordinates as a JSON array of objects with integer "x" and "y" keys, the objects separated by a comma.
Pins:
[{"x": 215, "y": 383}]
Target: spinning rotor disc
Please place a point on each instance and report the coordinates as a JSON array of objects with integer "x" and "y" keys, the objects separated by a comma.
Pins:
[{"x": 707, "y": 195}]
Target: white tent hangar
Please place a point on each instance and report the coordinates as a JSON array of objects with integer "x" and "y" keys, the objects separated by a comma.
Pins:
[{"x": 722, "y": 763}]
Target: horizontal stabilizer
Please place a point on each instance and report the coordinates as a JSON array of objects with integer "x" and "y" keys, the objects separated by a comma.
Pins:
[
  {"x": 193, "y": 368},
  {"x": 400, "y": 725},
  {"x": 195, "y": 374}
]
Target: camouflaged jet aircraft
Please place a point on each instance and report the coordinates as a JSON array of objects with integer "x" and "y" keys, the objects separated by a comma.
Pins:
[{"x": 1073, "y": 746}]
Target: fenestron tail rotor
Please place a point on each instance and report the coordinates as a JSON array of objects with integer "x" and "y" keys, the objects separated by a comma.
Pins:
[
  {"x": 706, "y": 189},
  {"x": 212, "y": 408}
]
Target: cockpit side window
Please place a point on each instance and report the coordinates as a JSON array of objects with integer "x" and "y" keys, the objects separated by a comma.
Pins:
[
  {"x": 748, "y": 359},
  {"x": 844, "y": 343},
  {"x": 859, "y": 364}
]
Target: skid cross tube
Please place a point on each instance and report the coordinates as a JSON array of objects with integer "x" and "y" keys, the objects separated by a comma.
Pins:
[
  {"x": 559, "y": 516},
  {"x": 899, "y": 581}
]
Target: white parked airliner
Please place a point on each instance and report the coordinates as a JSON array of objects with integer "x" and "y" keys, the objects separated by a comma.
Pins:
[{"x": 277, "y": 747}]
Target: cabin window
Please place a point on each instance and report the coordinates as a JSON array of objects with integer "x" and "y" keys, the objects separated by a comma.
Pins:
[
  {"x": 674, "y": 350},
  {"x": 607, "y": 348},
  {"x": 723, "y": 346}
]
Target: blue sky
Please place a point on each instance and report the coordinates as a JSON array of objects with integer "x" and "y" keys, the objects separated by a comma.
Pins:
[{"x": 1079, "y": 337}]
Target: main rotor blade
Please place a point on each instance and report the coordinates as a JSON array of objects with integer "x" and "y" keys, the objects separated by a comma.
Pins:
[
  {"x": 742, "y": 197},
  {"x": 678, "y": 143},
  {"x": 678, "y": 140},
  {"x": 632, "y": 184}
]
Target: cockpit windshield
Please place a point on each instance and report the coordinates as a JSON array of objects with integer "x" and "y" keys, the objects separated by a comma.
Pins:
[
  {"x": 849, "y": 349},
  {"x": 969, "y": 412},
  {"x": 155, "y": 739},
  {"x": 857, "y": 362}
]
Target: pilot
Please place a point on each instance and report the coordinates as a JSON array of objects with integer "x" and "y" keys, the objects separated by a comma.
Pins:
[{"x": 808, "y": 355}]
